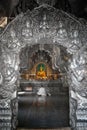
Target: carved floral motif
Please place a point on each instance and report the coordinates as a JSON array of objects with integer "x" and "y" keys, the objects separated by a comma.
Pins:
[{"x": 45, "y": 25}]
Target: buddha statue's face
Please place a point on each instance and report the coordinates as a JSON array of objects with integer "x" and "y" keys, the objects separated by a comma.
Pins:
[{"x": 41, "y": 68}]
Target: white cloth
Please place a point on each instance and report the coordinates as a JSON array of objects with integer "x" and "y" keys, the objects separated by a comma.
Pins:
[{"x": 41, "y": 92}]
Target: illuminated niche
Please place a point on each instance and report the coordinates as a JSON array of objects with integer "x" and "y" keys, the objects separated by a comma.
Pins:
[{"x": 41, "y": 71}]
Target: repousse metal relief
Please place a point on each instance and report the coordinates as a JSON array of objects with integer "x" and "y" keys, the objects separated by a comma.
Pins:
[{"x": 44, "y": 25}]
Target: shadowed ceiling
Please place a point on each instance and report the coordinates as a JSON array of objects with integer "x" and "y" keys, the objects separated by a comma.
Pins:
[{"x": 13, "y": 7}]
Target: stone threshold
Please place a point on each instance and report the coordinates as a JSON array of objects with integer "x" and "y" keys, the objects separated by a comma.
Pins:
[{"x": 67, "y": 128}]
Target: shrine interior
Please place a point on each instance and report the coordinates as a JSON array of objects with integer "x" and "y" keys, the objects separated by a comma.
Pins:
[
  {"x": 43, "y": 90},
  {"x": 43, "y": 70}
]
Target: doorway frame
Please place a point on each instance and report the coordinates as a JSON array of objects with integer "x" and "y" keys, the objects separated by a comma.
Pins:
[{"x": 42, "y": 29}]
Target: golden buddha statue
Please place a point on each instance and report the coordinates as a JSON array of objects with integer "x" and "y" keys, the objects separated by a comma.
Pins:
[{"x": 41, "y": 73}]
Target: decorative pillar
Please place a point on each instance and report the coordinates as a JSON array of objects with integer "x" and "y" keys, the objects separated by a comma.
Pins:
[
  {"x": 8, "y": 89},
  {"x": 78, "y": 90}
]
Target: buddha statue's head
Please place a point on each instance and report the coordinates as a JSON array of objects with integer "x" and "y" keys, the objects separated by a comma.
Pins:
[{"x": 41, "y": 68}]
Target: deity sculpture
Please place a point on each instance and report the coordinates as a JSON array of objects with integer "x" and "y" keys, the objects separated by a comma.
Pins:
[
  {"x": 13, "y": 41},
  {"x": 27, "y": 31},
  {"x": 78, "y": 69},
  {"x": 62, "y": 33},
  {"x": 44, "y": 27},
  {"x": 75, "y": 43},
  {"x": 44, "y": 24},
  {"x": 41, "y": 73}
]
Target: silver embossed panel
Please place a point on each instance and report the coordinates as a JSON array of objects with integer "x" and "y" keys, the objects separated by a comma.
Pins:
[{"x": 44, "y": 25}]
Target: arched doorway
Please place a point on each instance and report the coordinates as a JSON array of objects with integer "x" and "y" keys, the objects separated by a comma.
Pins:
[
  {"x": 44, "y": 85},
  {"x": 44, "y": 25}
]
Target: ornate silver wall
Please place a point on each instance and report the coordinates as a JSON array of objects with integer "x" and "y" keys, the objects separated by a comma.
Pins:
[{"x": 44, "y": 25}]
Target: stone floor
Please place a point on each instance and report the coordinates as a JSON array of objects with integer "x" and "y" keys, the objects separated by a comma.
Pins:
[
  {"x": 48, "y": 129},
  {"x": 43, "y": 113}
]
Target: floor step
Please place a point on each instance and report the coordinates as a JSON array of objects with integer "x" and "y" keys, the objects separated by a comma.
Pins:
[{"x": 49, "y": 129}]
